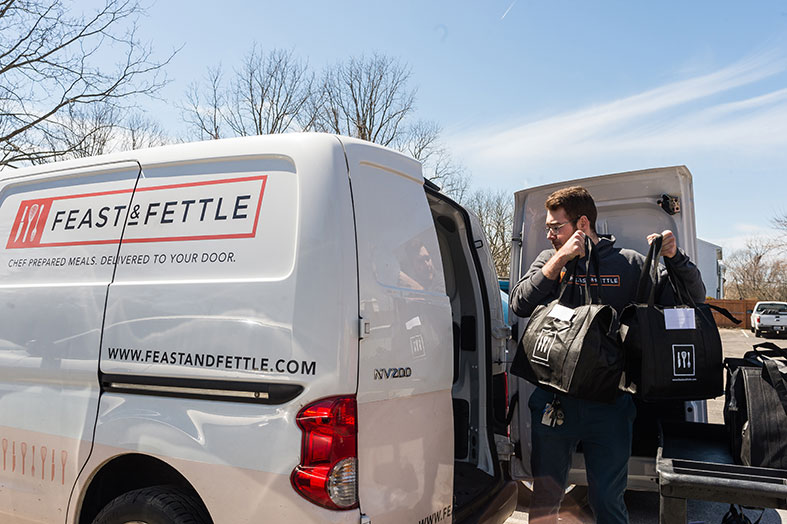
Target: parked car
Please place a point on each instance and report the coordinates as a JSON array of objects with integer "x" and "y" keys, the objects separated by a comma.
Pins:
[{"x": 769, "y": 318}]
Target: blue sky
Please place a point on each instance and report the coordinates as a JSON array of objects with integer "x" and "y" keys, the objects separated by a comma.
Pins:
[{"x": 533, "y": 92}]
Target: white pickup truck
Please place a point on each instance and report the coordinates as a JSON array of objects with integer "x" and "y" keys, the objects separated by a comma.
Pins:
[{"x": 769, "y": 318}]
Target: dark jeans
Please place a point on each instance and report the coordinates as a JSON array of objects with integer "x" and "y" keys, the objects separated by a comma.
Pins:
[{"x": 605, "y": 432}]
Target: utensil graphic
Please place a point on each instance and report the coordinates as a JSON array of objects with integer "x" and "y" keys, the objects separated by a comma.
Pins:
[
  {"x": 5, "y": 450},
  {"x": 30, "y": 217},
  {"x": 53, "y": 465},
  {"x": 33, "y": 462},
  {"x": 24, "y": 454},
  {"x": 36, "y": 223},
  {"x": 13, "y": 456},
  {"x": 43, "y": 461},
  {"x": 21, "y": 225},
  {"x": 63, "y": 458}
]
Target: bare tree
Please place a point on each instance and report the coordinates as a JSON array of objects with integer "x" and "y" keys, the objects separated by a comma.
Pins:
[
  {"x": 84, "y": 131},
  {"x": 268, "y": 94},
  {"x": 422, "y": 141},
  {"x": 51, "y": 70},
  {"x": 756, "y": 272},
  {"x": 495, "y": 210},
  {"x": 205, "y": 104},
  {"x": 366, "y": 97},
  {"x": 780, "y": 223},
  {"x": 140, "y": 131}
]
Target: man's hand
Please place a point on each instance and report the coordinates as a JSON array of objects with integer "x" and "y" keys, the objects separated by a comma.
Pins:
[
  {"x": 574, "y": 247},
  {"x": 669, "y": 246}
]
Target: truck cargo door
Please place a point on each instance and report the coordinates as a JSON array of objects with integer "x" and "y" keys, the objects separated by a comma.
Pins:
[
  {"x": 630, "y": 206},
  {"x": 60, "y": 236}
]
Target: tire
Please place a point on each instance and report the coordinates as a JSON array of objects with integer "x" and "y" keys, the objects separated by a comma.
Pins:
[
  {"x": 154, "y": 505},
  {"x": 757, "y": 333}
]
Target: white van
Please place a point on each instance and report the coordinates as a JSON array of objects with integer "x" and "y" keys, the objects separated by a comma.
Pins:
[
  {"x": 630, "y": 206},
  {"x": 288, "y": 328}
]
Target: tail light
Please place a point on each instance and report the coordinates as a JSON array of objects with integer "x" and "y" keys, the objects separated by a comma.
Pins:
[
  {"x": 328, "y": 472},
  {"x": 757, "y": 319}
]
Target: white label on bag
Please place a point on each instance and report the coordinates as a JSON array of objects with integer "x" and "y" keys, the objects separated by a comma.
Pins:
[
  {"x": 561, "y": 312},
  {"x": 679, "y": 318}
]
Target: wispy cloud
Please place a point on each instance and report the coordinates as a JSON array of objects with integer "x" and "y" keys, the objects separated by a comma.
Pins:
[
  {"x": 509, "y": 9},
  {"x": 682, "y": 114}
]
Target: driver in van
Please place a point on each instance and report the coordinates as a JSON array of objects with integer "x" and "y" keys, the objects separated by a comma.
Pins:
[{"x": 605, "y": 430}]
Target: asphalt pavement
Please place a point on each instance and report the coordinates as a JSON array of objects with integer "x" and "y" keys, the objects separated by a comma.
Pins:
[{"x": 644, "y": 507}]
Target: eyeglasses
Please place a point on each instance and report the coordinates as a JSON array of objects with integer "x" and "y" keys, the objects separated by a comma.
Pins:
[{"x": 555, "y": 228}]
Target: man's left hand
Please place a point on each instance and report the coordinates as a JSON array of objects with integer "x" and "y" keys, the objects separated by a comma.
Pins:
[{"x": 669, "y": 246}]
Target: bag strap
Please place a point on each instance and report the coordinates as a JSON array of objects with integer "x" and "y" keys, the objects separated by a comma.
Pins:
[
  {"x": 682, "y": 294},
  {"x": 649, "y": 274},
  {"x": 772, "y": 375},
  {"x": 735, "y": 515},
  {"x": 589, "y": 253},
  {"x": 770, "y": 345},
  {"x": 593, "y": 257},
  {"x": 570, "y": 274},
  {"x": 724, "y": 313}
]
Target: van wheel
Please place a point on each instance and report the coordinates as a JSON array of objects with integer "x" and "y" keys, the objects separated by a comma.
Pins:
[
  {"x": 757, "y": 333},
  {"x": 155, "y": 505}
]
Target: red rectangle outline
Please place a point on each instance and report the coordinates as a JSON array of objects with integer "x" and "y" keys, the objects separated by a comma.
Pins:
[{"x": 263, "y": 178}]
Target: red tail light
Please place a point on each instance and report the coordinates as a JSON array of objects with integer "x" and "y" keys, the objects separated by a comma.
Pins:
[
  {"x": 757, "y": 319},
  {"x": 327, "y": 474}
]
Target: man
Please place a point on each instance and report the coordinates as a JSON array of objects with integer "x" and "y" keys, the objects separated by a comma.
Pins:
[{"x": 605, "y": 430}]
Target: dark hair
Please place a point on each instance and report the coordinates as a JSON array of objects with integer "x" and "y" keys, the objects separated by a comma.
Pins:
[{"x": 575, "y": 201}]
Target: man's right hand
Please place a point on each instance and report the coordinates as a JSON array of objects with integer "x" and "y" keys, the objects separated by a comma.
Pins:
[{"x": 574, "y": 247}]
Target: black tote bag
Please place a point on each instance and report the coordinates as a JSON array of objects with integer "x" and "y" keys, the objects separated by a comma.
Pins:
[
  {"x": 575, "y": 351},
  {"x": 755, "y": 407},
  {"x": 672, "y": 352}
]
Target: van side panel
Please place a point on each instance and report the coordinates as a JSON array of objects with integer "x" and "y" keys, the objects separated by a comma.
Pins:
[
  {"x": 56, "y": 262},
  {"x": 261, "y": 289},
  {"x": 405, "y": 428},
  {"x": 236, "y": 456}
]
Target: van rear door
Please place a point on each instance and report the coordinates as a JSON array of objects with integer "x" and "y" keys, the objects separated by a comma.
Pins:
[
  {"x": 405, "y": 435},
  {"x": 630, "y": 206},
  {"x": 59, "y": 239}
]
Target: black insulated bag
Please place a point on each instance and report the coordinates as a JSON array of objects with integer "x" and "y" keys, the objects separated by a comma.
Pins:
[
  {"x": 573, "y": 350},
  {"x": 755, "y": 407},
  {"x": 672, "y": 352}
]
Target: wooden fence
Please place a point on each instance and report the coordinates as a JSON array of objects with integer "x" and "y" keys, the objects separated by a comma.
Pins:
[{"x": 740, "y": 309}]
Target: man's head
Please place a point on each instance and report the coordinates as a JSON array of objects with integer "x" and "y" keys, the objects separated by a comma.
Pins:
[{"x": 568, "y": 210}]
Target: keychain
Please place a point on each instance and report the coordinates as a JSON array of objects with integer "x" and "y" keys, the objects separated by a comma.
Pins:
[{"x": 553, "y": 414}]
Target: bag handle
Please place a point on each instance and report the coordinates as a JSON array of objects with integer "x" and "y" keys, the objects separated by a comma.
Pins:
[
  {"x": 682, "y": 294},
  {"x": 649, "y": 274},
  {"x": 569, "y": 275},
  {"x": 589, "y": 252},
  {"x": 770, "y": 345},
  {"x": 772, "y": 375},
  {"x": 593, "y": 256}
]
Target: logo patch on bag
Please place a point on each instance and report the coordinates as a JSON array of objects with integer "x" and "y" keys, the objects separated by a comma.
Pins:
[
  {"x": 546, "y": 339},
  {"x": 683, "y": 360}
]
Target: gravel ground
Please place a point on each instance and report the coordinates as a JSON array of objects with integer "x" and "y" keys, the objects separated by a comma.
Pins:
[{"x": 644, "y": 507}]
